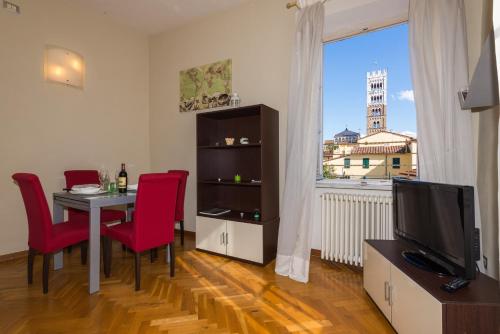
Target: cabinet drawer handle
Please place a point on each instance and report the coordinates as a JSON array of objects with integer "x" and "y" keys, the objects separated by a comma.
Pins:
[
  {"x": 386, "y": 290},
  {"x": 222, "y": 238},
  {"x": 390, "y": 295},
  {"x": 227, "y": 238}
]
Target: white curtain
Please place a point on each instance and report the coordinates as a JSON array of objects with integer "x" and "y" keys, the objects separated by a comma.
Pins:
[
  {"x": 496, "y": 29},
  {"x": 438, "y": 55},
  {"x": 438, "y": 52},
  {"x": 304, "y": 110}
]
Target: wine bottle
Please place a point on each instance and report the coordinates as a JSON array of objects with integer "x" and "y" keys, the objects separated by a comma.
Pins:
[{"x": 122, "y": 180}]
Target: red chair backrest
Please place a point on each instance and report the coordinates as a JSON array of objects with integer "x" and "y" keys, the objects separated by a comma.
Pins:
[
  {"x": 155, "y": 210},
  {"x": 181, "y": 192},
  {"x": 37, "y": 210},
  {"x": 76, "y": 177}
]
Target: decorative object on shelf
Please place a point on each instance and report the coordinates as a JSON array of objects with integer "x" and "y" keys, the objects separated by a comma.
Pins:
[
  {"x": 260, "y": 141},
  {"x": 255, "y": 181},
  {"x": 63, "y": 66},
  {"x": 242, "y": 214},
  {"x": 235, "y": 100},
  {"x": 216, "y": 143},
  {"x": 244, "y": 141},
  {"x": 206, "y": 87},
  {"x": 219, "y": 179},
  {"x": 256, "y": 214},
  {"x": 237, "y": 178},
  {"x": 229, "y": 141}
]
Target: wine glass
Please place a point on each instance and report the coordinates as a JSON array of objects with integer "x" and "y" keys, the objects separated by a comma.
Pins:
[{"x": 103, "y": 178}]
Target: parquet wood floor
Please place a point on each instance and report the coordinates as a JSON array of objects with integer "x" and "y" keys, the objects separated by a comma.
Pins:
[{"x": 209, "y": 294}]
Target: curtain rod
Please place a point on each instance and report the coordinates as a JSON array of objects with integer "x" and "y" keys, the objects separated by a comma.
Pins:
[{"x": 292, "y": 4}]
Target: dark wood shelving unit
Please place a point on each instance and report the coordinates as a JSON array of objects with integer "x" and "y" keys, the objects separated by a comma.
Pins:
[{"x": 258, "y": 160}]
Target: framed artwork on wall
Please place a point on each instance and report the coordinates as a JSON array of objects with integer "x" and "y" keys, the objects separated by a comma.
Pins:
[{"x": 206, "y": 87}]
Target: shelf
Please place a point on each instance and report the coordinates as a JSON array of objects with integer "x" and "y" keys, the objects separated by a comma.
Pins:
[
  {"x": 229, "y": 146},
  {"x": 235, "y": 216},
  {"x": 231, "y": 183}
]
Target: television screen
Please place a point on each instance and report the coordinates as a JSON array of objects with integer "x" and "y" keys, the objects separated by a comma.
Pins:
[{"x": 437, "y": 217}]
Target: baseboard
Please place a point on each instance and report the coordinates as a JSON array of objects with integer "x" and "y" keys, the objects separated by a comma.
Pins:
[
  {"x": 13, "y": 256},
  {"x": 315, "y": 252}
]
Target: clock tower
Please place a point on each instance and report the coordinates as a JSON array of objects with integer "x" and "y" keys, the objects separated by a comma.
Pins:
[{"x": 376, "y": 101}]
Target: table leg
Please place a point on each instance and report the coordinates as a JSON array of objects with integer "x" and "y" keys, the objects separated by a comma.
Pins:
[
  {"x": 167, "y": 254},
  {"x": 130, "y": 209},
  {"x": 94, "y": 248},
  {"x": 58, "y": 217}
]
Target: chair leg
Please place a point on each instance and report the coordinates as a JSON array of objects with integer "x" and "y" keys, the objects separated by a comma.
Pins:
[
  {"x": 83, "y": 252},
  {"x": 137, "y": 271},
  {"x": 172, "y": 259},
  {"x": 46, "y": 263},
  {"x": 181, "y": 223},
  {"x": 152, "y": 255},
  {"x": 31, "y": 260},
  {"x": 107, "y": 256}
]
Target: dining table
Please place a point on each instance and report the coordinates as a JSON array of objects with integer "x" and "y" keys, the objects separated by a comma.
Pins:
[{"x": 92, "y": 204}]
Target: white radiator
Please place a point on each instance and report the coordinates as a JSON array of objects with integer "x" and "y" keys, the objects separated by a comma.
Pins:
[{"x": 348, "y": 219}]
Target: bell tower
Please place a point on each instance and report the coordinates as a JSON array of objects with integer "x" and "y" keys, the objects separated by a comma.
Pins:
[{"x": 376, "y": 101}]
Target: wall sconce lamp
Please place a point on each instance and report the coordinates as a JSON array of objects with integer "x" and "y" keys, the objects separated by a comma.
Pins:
[{"x": 63, "y": 66}]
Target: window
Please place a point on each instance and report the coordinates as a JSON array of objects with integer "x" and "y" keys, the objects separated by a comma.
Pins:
[
  {"x": 396, "y": 163},
  {"x": 367, "y": 89},
  {"x": 366, "y": 163}
]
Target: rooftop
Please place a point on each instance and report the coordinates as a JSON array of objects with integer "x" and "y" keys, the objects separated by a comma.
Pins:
[
  {"x": 381, "y": 149},
  {"x": 346, "y": 133}
]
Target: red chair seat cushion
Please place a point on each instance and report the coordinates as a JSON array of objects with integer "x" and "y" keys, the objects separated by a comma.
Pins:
[
  {"x": 123, "y": 233},
  {"x": 66, "y": 234},
  {"x": 109, "y": 215}
]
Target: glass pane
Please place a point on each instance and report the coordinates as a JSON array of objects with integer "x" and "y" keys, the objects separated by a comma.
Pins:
[{"x": 368, "y": 105}]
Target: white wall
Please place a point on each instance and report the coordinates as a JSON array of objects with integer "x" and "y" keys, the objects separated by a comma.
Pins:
[
  {"x": 257, "y": 36},
  {"x": 46, "y": 128}
]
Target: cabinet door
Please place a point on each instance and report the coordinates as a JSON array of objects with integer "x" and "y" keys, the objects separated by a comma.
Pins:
[
  {"x": 245, "y": 241},
  {"x": 210, "y": 234},
  {"x": 377, "y": 278},
  {"x": 414, "y": 310}
]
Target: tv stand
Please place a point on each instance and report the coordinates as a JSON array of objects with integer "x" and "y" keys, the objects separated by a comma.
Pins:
[
  {"x": 412, "y": 299},
  {"x": 425, "y": 262}
]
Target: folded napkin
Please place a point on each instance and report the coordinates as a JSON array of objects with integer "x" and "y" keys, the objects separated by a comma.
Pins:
[{"x": 132, "y": 187}]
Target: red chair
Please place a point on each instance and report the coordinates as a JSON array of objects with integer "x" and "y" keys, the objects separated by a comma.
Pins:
[
  {"x": 181, "y": 194},
  {"x": 43, "y": 236},
  {"x": 153, "y": 222},
  {"x": 76, "y": 177}
]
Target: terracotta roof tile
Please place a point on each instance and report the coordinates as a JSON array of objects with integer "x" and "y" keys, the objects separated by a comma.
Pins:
[{"x": 381, "y": 149}]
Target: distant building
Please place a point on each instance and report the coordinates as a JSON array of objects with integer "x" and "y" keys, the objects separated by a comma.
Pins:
[
  {"x": 380, "y": 155},
  {"x": 342, "y": 144},
  {"x": 346, "y": 137},
  {"x": 376, "y": 101}
]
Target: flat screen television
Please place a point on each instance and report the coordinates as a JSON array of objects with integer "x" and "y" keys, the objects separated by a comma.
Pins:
[{"x": 439, "y": 220}]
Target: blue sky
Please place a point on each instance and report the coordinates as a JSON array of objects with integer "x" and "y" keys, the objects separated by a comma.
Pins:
[{"x": 344, "y": 73}]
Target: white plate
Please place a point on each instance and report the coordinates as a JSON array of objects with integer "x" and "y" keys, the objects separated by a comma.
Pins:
[
  {"x": 85, "y": 186},
  {"x": 88, "y": 191},
  {"x": 132, "y": 187}
]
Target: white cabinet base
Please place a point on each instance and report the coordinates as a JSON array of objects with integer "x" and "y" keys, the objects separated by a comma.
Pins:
[{"x": 239, "y": 240}]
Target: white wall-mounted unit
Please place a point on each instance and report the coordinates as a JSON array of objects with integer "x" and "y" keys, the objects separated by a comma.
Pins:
[{"x": 483, "y": 89}]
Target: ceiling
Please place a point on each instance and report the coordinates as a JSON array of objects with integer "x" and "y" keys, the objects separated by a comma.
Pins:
[{"x": 154, "y": 16}]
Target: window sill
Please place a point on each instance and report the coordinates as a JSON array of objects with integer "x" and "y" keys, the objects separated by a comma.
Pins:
[{"x": 355, "y": 184}]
